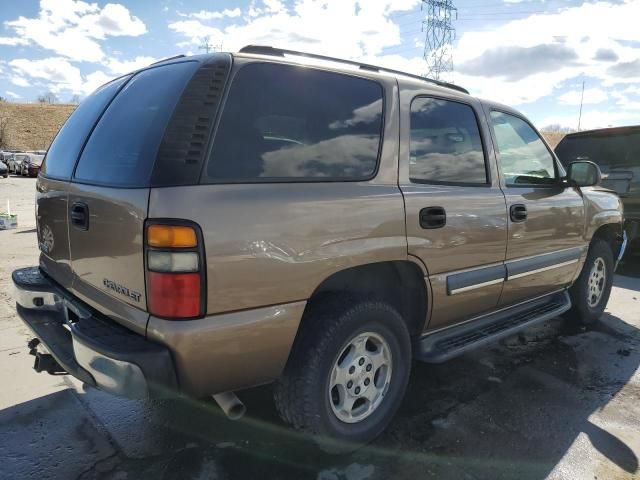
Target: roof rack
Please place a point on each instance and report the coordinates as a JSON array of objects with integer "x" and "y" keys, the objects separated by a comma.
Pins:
[
  {"x": 281, "y": 52},
  {"x": 167, "y": 59}
]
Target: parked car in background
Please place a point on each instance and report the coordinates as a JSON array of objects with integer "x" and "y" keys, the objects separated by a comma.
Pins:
[
  {"x": 15, "y": 163},
  {"x": 617, "y": 152},
  {"x": 4, "y": 170},
  {"x": 31, "y": 164}
]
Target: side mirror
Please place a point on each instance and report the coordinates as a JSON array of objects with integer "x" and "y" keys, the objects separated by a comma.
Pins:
[{"x": 584, "y": 173}]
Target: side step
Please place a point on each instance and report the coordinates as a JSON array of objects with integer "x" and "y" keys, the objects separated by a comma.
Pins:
[{"x": 445, "y": 344}]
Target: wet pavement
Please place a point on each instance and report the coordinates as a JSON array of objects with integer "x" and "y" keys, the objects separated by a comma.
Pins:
[{"x": 554, "y": 402}]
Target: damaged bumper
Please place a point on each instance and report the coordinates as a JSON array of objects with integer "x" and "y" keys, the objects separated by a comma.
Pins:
[{"x": 92, "y": 348}]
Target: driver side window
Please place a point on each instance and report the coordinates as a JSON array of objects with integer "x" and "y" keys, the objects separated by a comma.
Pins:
[{"x": 524, "y": 158}]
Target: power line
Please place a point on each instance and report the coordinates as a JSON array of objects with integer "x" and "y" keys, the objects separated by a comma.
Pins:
[{"x": 439, "y": 36}]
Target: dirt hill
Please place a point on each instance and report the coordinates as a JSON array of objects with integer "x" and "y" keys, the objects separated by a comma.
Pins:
[{"x": 31, "y": 126}]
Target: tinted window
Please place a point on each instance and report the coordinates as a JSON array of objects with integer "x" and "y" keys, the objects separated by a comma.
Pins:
[
  {"x": 619, "y": 150},
  {"x": 283, "y": 122},
  {"x": 524, "y": 158},
  {"x": 445, "y": 143},
  {"x": 124, "y": 144},
  {"x": 65, "y": 148}
]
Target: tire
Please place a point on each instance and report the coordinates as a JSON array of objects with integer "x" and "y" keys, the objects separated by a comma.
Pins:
[
  {"x": 303, "y": 395},
  {"x": 590, "y": 293}
]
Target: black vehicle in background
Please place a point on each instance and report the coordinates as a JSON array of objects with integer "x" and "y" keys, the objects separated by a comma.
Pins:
[
  {"x": 4, "y": 170},
  {"x": 617, "y": 152}
]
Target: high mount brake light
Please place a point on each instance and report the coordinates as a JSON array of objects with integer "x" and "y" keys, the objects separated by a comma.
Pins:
[{"x": 175, "y": 271}]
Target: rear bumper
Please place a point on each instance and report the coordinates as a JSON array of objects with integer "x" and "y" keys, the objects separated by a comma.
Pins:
[{"x": 93, "y": 349}]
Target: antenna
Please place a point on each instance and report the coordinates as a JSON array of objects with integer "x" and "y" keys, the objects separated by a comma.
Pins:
[
  {"x": 581, "y": 99},
  {"x": 439, "y": 36}
]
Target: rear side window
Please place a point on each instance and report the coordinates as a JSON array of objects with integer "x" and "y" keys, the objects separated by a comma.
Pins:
[
  {"x": 445, "y": 143},
  {"x": 283, "y": 123},
  {"x": 65, "y": 148},
  {"x": 122, "y": 148}
]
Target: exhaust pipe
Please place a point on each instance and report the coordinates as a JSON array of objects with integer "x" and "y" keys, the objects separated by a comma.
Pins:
[
  {"x": 231, "y": 405},
  {"x": 44, "y": 362}
]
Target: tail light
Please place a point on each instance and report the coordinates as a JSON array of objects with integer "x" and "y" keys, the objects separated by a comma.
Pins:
[{"x": 175, "y": 263}]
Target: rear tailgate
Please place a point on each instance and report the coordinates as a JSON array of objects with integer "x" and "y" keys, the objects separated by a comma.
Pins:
[
  {"x": 104, "y": 167},
  {"x": 109, "y": 193}
]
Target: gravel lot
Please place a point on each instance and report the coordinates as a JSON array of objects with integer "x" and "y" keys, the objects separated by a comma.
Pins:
[{"x": 553, "y": 403}]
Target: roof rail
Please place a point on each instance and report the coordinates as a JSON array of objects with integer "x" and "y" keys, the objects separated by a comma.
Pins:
[
  {"x": 167, "y": 59},
  {"x": 281, "y": 52}
]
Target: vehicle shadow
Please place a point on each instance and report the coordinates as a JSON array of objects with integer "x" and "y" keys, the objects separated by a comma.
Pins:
[{"x": 513, "y": 410}]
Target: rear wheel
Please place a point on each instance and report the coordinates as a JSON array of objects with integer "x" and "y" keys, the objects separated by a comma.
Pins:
[
  {"x": 347, "y": 373},
  {"x": 590, "y": 293}
]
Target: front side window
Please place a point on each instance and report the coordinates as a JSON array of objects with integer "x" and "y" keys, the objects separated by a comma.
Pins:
[
  {"x": 283, "y": 122},
  {"x": 524, "y": 158},
  {"x": 445, "y": 143}
]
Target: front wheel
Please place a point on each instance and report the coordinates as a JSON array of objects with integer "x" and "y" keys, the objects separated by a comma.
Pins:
[
  {"x": 347, "y": 373},
  {"x": 590, "y": 293}
]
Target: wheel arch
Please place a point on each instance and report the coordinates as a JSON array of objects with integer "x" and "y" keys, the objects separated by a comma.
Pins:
[{"x": 400, "y": 283}]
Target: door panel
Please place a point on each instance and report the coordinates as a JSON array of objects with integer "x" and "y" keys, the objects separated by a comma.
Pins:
[
  {"x": 447, "y": 170},
  {"x": 546, "y": 219}
]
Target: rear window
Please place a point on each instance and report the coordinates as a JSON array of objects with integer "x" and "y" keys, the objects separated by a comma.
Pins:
[
  {"x": 619, "y": 150},
  {"x": 282, "y": 123},
  {"x": 65, "y": 148},
  {"x": 122, "y": 149}
]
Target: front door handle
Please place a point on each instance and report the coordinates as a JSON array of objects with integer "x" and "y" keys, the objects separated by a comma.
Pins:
[
  {"x": 518, "y": 213},
  {"x": 80, "y": 216},
  {"x": 433, "y": 217}
]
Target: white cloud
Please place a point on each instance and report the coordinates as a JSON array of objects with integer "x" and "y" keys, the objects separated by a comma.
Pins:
[
  {"x": 13, "y": 41},
  {"x": 11, "y": 94},
  {"x": 73, "y": 28},
  {"x": 599, "y": 118},
  {"x": 581, "y": 31},
  {"x": 209, "y": 15},
  {"x": 120, "y": 67},
  {"x": 19, "y": 81},
  {"x": 59, "y": 74},
  {"x": 332, "y": 27},
  {"x": 591, "y": 96}
]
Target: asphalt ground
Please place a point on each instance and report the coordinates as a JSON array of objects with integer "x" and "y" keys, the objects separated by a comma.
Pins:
[{"x": 554, "y": 402}]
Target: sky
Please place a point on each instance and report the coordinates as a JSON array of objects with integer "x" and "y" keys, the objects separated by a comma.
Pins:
[{"x": 533, "y": 55}]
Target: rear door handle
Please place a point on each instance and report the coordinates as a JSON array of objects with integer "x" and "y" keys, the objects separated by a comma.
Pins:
[
  {"x": 433, "y": 217},
  {"x": 518, "y": 213},
  {"x": 80, "y": 216}
]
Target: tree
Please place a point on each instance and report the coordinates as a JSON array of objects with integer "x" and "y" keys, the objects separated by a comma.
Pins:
[
  {"x": 557, "y": 128},
  {"x": 3, "y": 132},
  {"x": 48, "y": 98},
  {"x": 75, "y": 99}
]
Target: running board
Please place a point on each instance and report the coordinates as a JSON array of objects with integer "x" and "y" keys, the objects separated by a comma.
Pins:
[{"x": 445, "y": 344}]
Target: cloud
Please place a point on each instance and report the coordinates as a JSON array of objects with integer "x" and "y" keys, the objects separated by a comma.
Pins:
[
  {"x": 11, "y": 94},
  {"x": 73, "y": 28},
  {"x": 605, "y": 55},
  {"x": 13, "y": 41},
  {"x": 209, "y": 15},
  {"x": 120, "y": 67},
  {"x": 332, "y": 27},
  {"x": 19, "y": 81},
  {"x": 612, "y": 31},
  {"x": 515, "y": 63},
  {"x": 59, "y": 74},
  {"x": 626, "y": 69},
  {"x": 591, "y": 96}
]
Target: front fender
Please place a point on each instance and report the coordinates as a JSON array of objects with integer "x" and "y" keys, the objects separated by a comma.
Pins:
[{"x": 602, "y": 207}]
